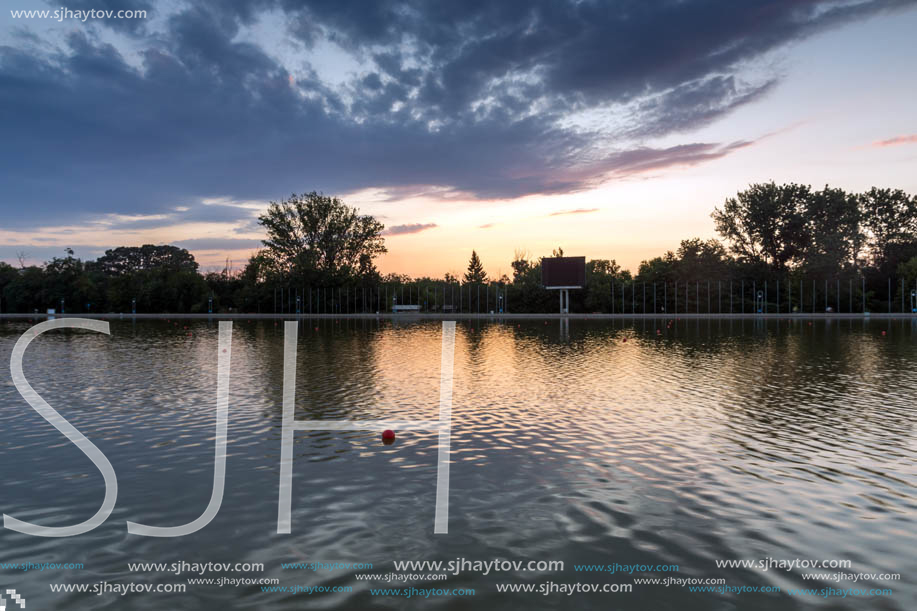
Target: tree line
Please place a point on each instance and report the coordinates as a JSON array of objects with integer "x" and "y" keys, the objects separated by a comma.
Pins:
[{"x": 824, "y": 246}]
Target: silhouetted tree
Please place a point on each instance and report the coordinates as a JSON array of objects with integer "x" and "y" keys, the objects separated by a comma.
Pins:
[
  {"x": 600, "y": 273},
  {"x": 698, "y": 259},
  {"x": 521, "y": 264},
  {"x": 833, "y": 231},
  {"x": 658, "y": 269},
  {"x": 313, "y": 232},
  {"x": 475, "y": 273},
  {"x": 764, "y": 223},
  {"x": 890, "y": 219},
  {"x": 131, "y": 259}
]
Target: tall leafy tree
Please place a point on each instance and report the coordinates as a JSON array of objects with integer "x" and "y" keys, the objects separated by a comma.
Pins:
[
  {"x": 600, "y": 274},
  {"x": 765, "y": 223},
  {"x": 659, "y": 269},
  {"x": 698, "y": 259},
  {"x": 314, "y": 232},
  {"x": 834, "y": 234},
  {"x": 890, "y": 220},
  {"x": 521, "y": 264},
  {"x": 66, "y": 280},
  {"x": 475, "y": 273},
  {"x": 8, "y": 278},
  {"x": 131, "y": 259}
]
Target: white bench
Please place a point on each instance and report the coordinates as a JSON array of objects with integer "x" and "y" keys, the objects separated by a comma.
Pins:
[{"x": 405, "y": 308}]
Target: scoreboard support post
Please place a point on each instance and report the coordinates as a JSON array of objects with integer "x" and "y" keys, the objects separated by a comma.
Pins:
[{"x": 564, "y": 301}]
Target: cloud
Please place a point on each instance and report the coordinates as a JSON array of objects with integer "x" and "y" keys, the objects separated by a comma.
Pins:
[
  {"x": 493, "y": 99},
  {"x": 643, "y": 160},
  {"x": 694, "y": 104},
  {"x": 135, "y": 25},
  {"x": 409, "y": 228},
  {"x": 912, "y": 139},
  {"x": 637, "y": 161},
  {"x": 218, "y": 244},
  {"x": 241, "y": 217},
  {"x": 577, "y": 211}
]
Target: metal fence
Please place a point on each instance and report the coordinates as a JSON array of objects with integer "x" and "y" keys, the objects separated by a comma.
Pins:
[
  {"x": 426, "y": 297},
  {"x": 711, "y": 296},
  {"x": 798, "y": 296}
]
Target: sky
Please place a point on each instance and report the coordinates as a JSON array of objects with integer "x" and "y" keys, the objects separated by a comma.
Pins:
[{"x": 610, "y": 129}]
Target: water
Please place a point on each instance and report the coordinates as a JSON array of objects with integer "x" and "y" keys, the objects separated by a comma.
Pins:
[{"x": 711, "y": 440}]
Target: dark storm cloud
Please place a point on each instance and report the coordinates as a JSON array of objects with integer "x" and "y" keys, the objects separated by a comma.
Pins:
[
  {"x": 693, "y": 104},
  {"x": 132, "y": 25},
  {"x": 640, "y": 160},
  {"x": 462, "y": 95},
  {"x": 409, "y": 228}
]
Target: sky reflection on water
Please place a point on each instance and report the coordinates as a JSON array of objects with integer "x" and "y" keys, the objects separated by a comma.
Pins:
[{"x": 705, "y": 440}]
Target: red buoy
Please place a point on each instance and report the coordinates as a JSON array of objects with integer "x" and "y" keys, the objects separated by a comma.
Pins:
[{"x": 388, "y": 435}]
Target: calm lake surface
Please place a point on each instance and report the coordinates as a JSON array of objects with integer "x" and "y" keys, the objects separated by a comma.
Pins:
[{"x": 707, "y": 440}]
